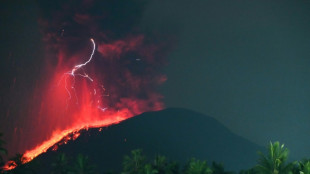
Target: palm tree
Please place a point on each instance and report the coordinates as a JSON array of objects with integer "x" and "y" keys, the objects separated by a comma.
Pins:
[
  {"x": 304, "y": 166},
  {"x": 149, "y": 169},
  {"x": 197, "y": 167},
  {"x": 218, "y": 168},
  {"x": 249, "y": 171},
  {"x": 134, "y": 164},
  {"x": 82, "y": 166},
  {"x": 160, "y": 164},
  {"x": 275, "y": 161},
  {"x": 60, "y": 166},
  {"x": 173, "y": 168}
]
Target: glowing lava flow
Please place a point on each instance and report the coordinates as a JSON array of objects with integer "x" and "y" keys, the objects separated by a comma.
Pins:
[
  {"x": 63, "y": 117},
  {"x": 59, "y": 135},
  {"x": 106, "y": 117}
]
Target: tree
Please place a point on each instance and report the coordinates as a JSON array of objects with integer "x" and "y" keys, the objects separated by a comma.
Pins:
[
  {"x": 134, "y": 164},
  {"x": 218, "y": 168},
  {"x": 149, "y": 169},
  {"x": 303, "y": 167},
  {"x": 249, "y": 171},
  {"x": 60, "y": 166},
  {"x": 197, "y": 167},
  {"x": 173, "y": 168},
  {"x": 160, "y": 163},
  {"x": 82, "y": 166},
  {"x": 275, "y": 161}
]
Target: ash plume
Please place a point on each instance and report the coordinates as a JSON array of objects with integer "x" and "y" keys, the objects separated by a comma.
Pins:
[{"x": 124, "y": 70}]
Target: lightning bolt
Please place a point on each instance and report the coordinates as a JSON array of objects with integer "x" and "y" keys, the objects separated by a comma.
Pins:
[
  {"x": 74, "y": 72},
  {"x": 77, "y": 67}
]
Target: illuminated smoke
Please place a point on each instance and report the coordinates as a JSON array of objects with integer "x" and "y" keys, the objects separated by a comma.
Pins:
[{"x": 79, "y": 90}]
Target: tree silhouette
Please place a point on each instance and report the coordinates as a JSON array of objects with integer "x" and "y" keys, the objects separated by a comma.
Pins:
[
  {"x": 173, "y": 168},
  {"x": 60, "y": 165},
  {"x": 149, "y": 169},
  {"x": 161, "y": 164},
  {"x": 134, "y": 164},
  {"x": 303, "y": 167},
  {"x": 249, "y": 171},
  {"x": 218, "y": 168},
  {"x": 82, "y": 166},
  {"x": 197, "y": 167},
  {"x": 275, "y": 160}
]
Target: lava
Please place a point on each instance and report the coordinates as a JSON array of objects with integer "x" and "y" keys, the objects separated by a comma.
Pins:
[
  {"x": 10, "y": 165},
  {"x": 92, "y": 105},
  {"x": 59, "y": 135},
  {"x": 87, "y": 109},
  {"x": 81, "y": 83}
]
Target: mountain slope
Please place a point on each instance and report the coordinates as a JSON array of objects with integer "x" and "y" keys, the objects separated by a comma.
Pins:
[{"x": 178, "y": 134}]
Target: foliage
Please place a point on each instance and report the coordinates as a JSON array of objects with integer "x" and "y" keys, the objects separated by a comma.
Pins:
[
  {"x": 302, "y": 167},
  {"x": 149, "y": 169},
  {"x": 137, "y": 164},
  {"x": 134, "y": 164},
  {"x": 82, "y": 166},
  {"x": 218, "y": 168},
  {"x": 275, "y": 160},
  {"x": 249, "y": 171},
  {"x": 195, "y": 166},
  {"x": 163, "y": 166},
  {"x": 60, "y": 165},
  {"x": 160, "y": 164}
]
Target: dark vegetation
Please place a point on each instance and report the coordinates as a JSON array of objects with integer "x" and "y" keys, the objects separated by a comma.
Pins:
[
  {"x": 176, "y": 133},
  {"x": 273, "y": 162}
]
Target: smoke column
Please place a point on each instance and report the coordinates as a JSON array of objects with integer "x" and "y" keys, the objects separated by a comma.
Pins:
[{"x": 99, "y": 69}]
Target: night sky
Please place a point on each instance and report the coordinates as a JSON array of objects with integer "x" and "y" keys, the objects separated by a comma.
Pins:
[{"x": 245, "y": 63}]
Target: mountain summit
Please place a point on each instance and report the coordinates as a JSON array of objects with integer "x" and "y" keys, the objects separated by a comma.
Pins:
[{"x": 176, "y": 133}]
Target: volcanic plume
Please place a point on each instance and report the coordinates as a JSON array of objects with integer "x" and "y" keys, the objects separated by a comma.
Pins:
[{"x": 98, "y": 70}]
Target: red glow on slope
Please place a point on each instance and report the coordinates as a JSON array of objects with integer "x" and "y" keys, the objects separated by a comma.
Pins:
[
  {"x": 92, "y": 96},
  {"x": 59, "y": 135},
  {"x": 10, "y": 165}
]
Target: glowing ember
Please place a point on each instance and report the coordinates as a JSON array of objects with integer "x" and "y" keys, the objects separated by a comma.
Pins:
[{"x": 10, "y": 165}]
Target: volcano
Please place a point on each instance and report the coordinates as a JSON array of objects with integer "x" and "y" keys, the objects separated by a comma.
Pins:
[{"x": 179, "y": 134}]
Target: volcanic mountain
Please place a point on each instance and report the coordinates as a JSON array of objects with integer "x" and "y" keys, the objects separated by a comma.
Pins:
[{"x": 176, "y": 133}]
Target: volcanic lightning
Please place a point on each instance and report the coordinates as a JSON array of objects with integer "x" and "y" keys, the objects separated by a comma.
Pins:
[
  {"x": 76, "y": 67},
  {"x": 82, "y": 84},
  {"x": 95, "y": 107},
  {"x": 73, "y": 73}
]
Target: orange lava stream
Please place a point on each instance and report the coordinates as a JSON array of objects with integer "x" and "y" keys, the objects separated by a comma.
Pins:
[
  {"x": 59, "y": 135},
  {"x": 74, "y": 101}
]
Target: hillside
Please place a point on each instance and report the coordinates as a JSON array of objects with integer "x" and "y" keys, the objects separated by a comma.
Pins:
[{"x": 176, "y": 133}]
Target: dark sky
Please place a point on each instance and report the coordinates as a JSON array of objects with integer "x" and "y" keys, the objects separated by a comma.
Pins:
[{"x": 245, "y": 63}]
